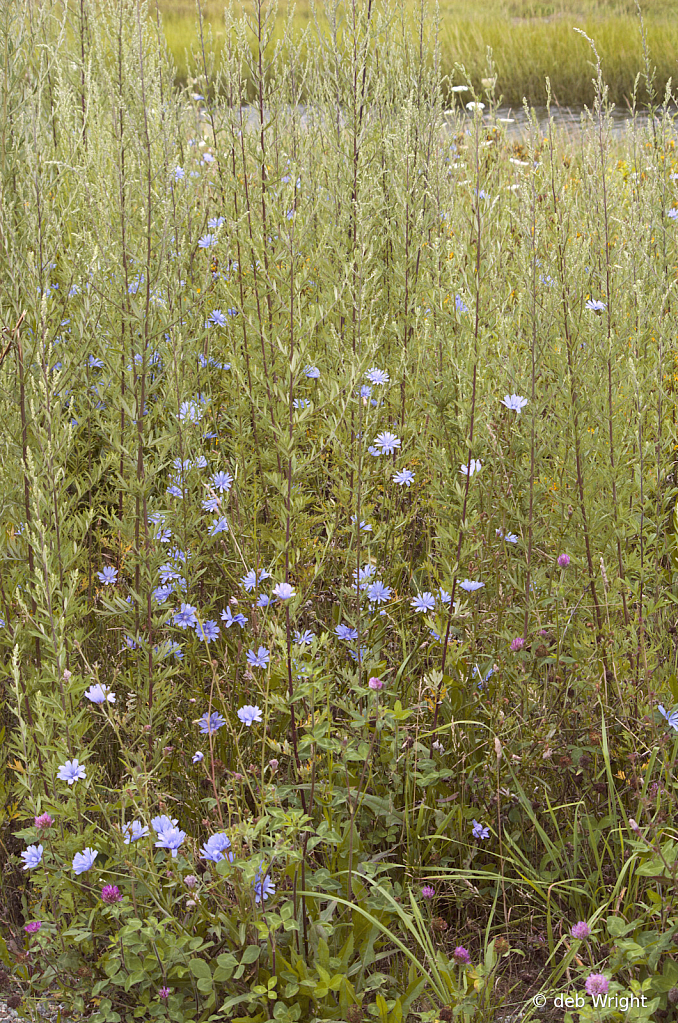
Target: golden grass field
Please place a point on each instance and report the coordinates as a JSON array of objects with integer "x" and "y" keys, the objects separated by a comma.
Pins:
[{"x": 529, "y": 41}]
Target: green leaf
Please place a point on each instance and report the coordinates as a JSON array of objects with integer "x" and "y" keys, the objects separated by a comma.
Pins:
[
  {"x": 250, "y": 955},
  {"x": 199, "y": 968}
]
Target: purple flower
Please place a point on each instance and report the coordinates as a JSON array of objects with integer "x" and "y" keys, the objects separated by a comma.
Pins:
[
  {"x": 478, "y": 831},
  {"x": 563, "y": 560},
  {"x": 222, "y": 481},
  {"x": 346, "y": 632},
  {"x": 517, "y": 644},
  {"x": 163, "y": 823},
  {"x": 375, "y": 683},
  {"x": 229, "y": 618},
  {"x": 428, "y": 892},
  {"x": 217, "y": 318},
  {"x": 304, "y": 638},
  {"x": 260, "y": 659},
  {"x": 110, "y": 893},
  {"x": 475, "y": 466},
  {"x": 108, "y": 576},
  {"x": 170, "y": 840},
  {"x": 597, "y": 306},
  {"x": 186, "y": 616},
  {"x": 71, "y": 771},
  {"x": 404, "y": 477},
  {"x": 99, "y": 693},
  {"x": 461, "y": 956},
  {"x": 210, "y": 723},
  {"x": 43, "y": 821},
  {"x": 198, "y": 757},
  {"x": 388, "y": 442},
  {"x": 596, "y": 984},
  {"x": 216, "y": 846},
  {"x": 470, "y": 585},
  {"x": 134, "y": 831},
  {"x": 164, "y": 992},
  {"x": 248, "y": 715},
  {"x": 33, "y": 927},
  {"x": 284, "y": 591},
  {"x": 32, "y": 857},
  {"x": 581, "y": 931},
  {"x": 207, "y": 240},
  {"x": 312, "y": 372},
  {"x": 84, "y": 861},
  {"x": 424, "y": 602},
  {"x": 219, "y": 526},
  {"x": 514, "y": 402},
  {"x": 262, "y": 888},
  {"x": 251, "y": 580},
  {"x": 211, "y": 504},
  {"x": 377, "y": 376},
  {"x": 208, "y": 631},
  {"x": 377, "y": 593}
]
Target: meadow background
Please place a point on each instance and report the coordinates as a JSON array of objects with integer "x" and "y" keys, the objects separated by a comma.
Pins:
[{"x": 338, "y": 504}]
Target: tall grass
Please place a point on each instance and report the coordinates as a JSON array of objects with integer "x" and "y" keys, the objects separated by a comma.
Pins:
[
  {"x": 337, "y": 467},
  {"x": 529, "y": 42}
]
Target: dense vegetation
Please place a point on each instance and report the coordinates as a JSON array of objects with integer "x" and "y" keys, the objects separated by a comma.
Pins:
[
  {"x": 338, "y": 474},
  {"x": 529, "y": 40}
]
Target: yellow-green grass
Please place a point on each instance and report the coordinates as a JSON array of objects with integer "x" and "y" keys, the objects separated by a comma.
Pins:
[{"x": 529, "y": 41}]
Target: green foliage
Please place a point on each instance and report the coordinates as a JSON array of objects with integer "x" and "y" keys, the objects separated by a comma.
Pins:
[{"x": 247, "y": 365}]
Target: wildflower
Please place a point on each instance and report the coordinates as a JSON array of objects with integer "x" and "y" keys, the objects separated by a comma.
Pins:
[
  {"x": 33, "y": 927},
  {"x": 375, "y": 683},
  {"x": 596, "y": 984},
  {"x": 32, "y": 857},
  {"x": 211, "y": 504},
  {"x": 190, "y": 880},
  {"x": 301, "y": 403},
  {"x": 284, "y": 591},
  {"x": 596, "y": 305},
  {"x": 365, "y": 526},
  {"x": 377, "y": 593},
  {"x": 250, "y": 580},
  {"x": 475, "y": 106},
  {"x": 671, "y": 719},
  {"x": 581, "y": 931},
  {"x": 428, "y": 892},
  {"x": 260, "y": 659},
  {"x": 304, "y": 638},
  {"x": 424, "y": 602},
  {"x": 134, "y": 831},
  {"x": 216, "y": 846},
  {"x": 470, "y": 585},
  {"x": 108, "y": 576},
  {"x": 110, "y": 893},
  {"x": 312, "y": 372},
  {"x": 222, "y": 481},
  {"x": 191, "y": 411},
  {"x": 43, "y": 821},
  {"x": 207, "y": 241},
  {"x": 375, "y": 452},
  {"x": 403, "y": 478},
  {"x": 388, "y": 442},
  {"x": 263, "y": 600},
  {"x": 673, "y": 214},
  {"x": 365, "y": 392},
  {"x": 94, "y": 363},
  {"x": 248, "y": 715},
  {"x": 198, "y": 757},
  {"x": 478, "y": 831},
  {"x": 514, "y": 402},
  {"x": 509, "y": 537},
  {"x": 445, "y": 597},
  {"x": 99, "y": 693},
  {"x": 460, "y": 305},
  {"x": 71, "y": 771},
  {"x": 170, "y": 840},
  {"x": 346, "y": 632},
  {"x": 217, "y": 318},
  {"x": 164, "y": 992},
  {"x": 174, "y": 491},
  {"x": 377, "y": 376},
  {"x": 214, "y": 223},
  {"x": 163, "y": 823},
  {"x": 185, "y": 616},
  {"x": 461, "y": 956},
  {"x": 168, "y": 573},
  {"x": 469, "y": 469},
  {"x": 563, "y": 560},
  {"x": 517, "y": 644},
  {"x": 229, "y": 618},
  {"x": 210, "y": 723},
  {"x": 179, "y": 173},
  {"x": 161, "y": 593},
  {"x": 262, "y": 887},
  {"x": 219, "y": 526},
  {"x": 84, "y": 861}
]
